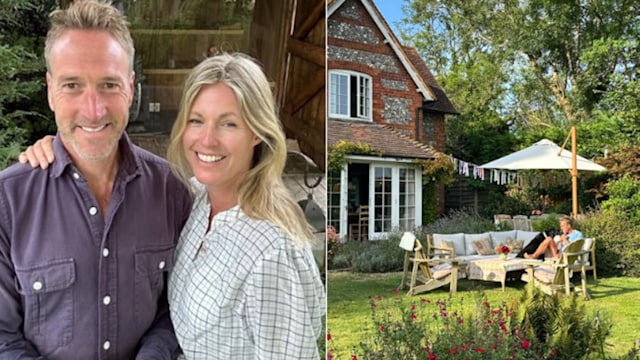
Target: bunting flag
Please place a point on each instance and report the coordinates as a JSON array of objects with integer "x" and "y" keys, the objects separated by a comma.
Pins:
[{"x": 500, "y": 177}]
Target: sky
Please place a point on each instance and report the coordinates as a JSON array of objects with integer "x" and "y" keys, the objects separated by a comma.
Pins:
[{"x": 391, "y": 10}]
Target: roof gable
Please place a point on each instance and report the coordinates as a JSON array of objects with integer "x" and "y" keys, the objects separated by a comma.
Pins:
[
  {"x": 441, "y": 102},
  {"x": 389, "y": 38}
]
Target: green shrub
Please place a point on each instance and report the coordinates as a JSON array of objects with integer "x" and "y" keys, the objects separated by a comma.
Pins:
[
  {"x": 617, "y": 243},
  {"x": 369, "y": 256},
  {"x": 536, "y": 326},
  {"x": 624, "y": 199},
  {"x": 550, "y": 222},
  {"x": 459, "y": 221}
]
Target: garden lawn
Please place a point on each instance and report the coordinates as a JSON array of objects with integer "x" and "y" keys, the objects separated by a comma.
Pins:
[{"x": 349, "y": 313}]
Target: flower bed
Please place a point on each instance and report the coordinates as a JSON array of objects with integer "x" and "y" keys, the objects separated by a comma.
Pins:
[{"x": 535, "y": 327}]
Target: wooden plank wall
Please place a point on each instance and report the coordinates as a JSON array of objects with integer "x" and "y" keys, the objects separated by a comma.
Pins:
[{"x": 460, "y": 195}]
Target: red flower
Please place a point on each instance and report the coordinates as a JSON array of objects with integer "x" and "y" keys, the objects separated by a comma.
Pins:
[
  {"x": 328, "y": 336},
  {"x": 377, "y": 297},
  {"x": 413, "y": 307},
  {"x": 478, "y": 350},
  {"x": 329, "y": 356},
  {"x": 525, "y": 344},
  {"x": 413, "y": 316},
  {"x": 553, "y": 352},
  {"x": 453, "y": 351},
  {"x": 396, "y": 291},
  {"x": 432, "y": 357},
  {"x": 503, "y": 249},
  {"x": 354, "y": 357},
  {"x": 382, "y": 328}
]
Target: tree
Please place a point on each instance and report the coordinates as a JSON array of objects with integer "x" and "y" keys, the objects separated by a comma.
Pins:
[
  {"x": 24, "y": 111},
  {"x": 548, "y": 65}
]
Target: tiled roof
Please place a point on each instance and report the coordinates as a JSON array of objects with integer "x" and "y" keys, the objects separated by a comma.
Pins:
[
  {"x": 386, "y": 140},
  {"x": 442, "y": 103}
]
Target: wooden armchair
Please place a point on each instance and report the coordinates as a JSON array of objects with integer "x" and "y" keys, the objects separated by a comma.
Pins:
[
  {"x": 589, "y": 258},
  {"x": 500, "y": 219},
  {"x": 521, "y": 222},
  {"x": 426, "y": 273},
  {"x": 554, "y": 276}
]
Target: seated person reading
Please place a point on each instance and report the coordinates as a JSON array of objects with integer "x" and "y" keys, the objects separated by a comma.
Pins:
[{"x": 569, "y": 235}]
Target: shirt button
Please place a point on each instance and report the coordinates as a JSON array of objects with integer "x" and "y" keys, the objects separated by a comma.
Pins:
[
  {"x": 37, "y": 285},
  {"x": 93, "y": 210},
  {"x": 76, "y": 176},
  {"x": 106, "y": 300},
  {"x": 106, "y": 345},
  {"x": 161, "y": 265},
  {"x": 105, "y": 252}
]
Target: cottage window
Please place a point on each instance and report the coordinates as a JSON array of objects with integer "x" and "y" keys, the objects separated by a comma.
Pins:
[{"x": 349, "y": 95}]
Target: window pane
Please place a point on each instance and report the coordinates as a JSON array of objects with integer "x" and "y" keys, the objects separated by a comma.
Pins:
[{"x": 338, "y": 94}]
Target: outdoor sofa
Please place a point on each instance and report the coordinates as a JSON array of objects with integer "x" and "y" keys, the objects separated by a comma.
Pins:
[{"x": 464, "y": 247}]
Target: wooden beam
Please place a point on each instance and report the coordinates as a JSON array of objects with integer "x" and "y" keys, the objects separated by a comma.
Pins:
[
  {"x": 309, "y": 52},
  {"x": 310, "y": 139},
  {"x": 312, "y": 87},
  {"x": 317, "y": 14}
]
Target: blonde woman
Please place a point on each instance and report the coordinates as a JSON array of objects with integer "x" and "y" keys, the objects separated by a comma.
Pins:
[{"x": 245, "y": 284}]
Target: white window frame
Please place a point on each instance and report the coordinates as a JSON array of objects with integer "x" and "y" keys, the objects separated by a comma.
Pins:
[{"x": 363, "y": 102}]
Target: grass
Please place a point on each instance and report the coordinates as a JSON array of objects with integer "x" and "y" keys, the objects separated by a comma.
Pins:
[{"x": 349, "y": 309}]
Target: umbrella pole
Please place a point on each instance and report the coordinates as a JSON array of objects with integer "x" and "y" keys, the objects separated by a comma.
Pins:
[{"x": 574, "y": 170}]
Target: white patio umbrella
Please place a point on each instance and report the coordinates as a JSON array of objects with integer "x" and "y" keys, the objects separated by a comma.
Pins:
[
  {"x": 546, "y": 155},
  {"x": 542, "y": 155}
]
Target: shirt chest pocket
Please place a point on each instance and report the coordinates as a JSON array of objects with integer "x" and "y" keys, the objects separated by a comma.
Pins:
[
  {"x": 151, "y": 267},
  {"x": 47, "y": 290}
]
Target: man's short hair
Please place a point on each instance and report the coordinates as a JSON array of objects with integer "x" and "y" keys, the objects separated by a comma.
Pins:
[
  {"x": 567, "y": 219},
  {"x": 89, "y": 15}
]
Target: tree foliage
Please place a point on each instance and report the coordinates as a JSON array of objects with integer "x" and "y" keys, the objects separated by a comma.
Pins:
[
  {"x": 532, "y": 69},
  {"x": 24, "y": 112}
]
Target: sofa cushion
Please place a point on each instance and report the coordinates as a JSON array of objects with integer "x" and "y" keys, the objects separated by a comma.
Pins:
[
  {"x": 588, "y": 242},
  {"x": 458, "y": 241},
  {"x": 501, "y": 237},
  {"x": 525, "y": 236},
  {"x": 469, "y": 249},
  {"x": 483, "y": 247},
  {"x": 515, "y": 245}
]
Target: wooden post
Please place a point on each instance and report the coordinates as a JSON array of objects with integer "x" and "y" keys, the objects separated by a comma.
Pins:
[{"x": 574, "y": 170}]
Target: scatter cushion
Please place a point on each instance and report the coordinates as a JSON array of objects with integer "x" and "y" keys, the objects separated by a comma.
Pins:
[
  {"x": 483, "y": 247},
  {"x": 447, "y": 244},
  {"x": 500, "y": 237},
  {"x": 515, "y": 245},
  {"x": 470, "y": 238},
  {"x": 457, "y": 239}
]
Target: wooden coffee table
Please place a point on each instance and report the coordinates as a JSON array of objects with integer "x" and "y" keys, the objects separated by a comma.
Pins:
[{"x": 494, "y": 269}]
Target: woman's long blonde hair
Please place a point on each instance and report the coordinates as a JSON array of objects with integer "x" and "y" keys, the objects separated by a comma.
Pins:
[{"x": 263, "y": 194}]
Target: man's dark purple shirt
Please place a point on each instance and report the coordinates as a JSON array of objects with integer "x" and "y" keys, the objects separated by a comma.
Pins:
[{"x": 77, "y": 284}]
